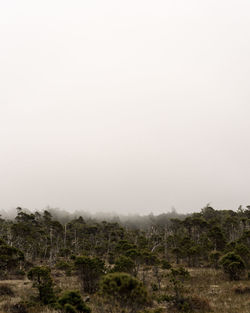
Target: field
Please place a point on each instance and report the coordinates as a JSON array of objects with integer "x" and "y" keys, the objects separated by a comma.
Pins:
[{"x": 208, "y": 287}]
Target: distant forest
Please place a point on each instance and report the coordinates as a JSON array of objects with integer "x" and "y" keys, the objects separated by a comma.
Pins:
[
  {"x": 187, "y": 238},
  {"x": 147, "y": 252}
]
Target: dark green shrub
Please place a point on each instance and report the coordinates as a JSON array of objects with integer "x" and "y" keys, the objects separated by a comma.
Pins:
[
  {"x": 177, "y": 277},
  {"x": 68, "y": 308},
  {"x": 176, "y": 298},
  {"x": 10, "y": 259},
  {"x": 124, "y": 264},
  {"x": 233, "y": 265},
  {"x": 214, "y": 258},
  {"x": 243, "y": 251},
  {"x": 165, "y": 265},
  {"x": 64, "y": 266},
  {"x": 111, "y": 258},
  {"x": 72, "y": 302},
  {"x": 43, "y": 282},
  {"x": 125, "y": 290},
  {"x": 89, "y": 270}
]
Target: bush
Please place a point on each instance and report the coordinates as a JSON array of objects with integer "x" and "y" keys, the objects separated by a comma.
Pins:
[
  {"x": 124, "y": 264},
  {"x": 90, "y": 270},
  {"x": 43, "y": 282},
  {"x": 64, "y": 266},
  {"x": 68, "y": 308},
  {"x": 233, "y": 265},
  {"x": 165, "y": 265},
  {"x": 214, "y": 258},
  {"x": 111, "y": 258},
  {"x": 10, "y": 259},
  {"x": 177, "y": 277},
  {"x": 176, "y": 298},
  {"x": 243, "y": 251},
  {"x": 6, "y": 290},
  {"x": 72, "y": 302},
  {"x": 125, "y": 290}
]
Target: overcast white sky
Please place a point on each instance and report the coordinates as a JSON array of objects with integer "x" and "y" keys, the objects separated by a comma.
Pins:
[{"x": 127, "y": 106}]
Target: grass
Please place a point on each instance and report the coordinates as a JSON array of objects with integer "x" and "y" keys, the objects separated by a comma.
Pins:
[
  {"x": 214, "y": 286},
  {"x": 205, "y": 285}
]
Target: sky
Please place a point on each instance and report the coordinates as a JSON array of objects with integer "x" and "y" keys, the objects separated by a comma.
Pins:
[{"x": 124, "y": 106}]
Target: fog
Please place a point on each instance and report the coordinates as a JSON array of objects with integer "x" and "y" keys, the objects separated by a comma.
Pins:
[{"x": 126, "y": 107}]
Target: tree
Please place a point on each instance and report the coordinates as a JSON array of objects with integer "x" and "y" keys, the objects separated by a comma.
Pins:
[
  {"x": 217, "y": 237},
  {"x": 90, "y": 270},
  {"x": 72, "y": 302},
  {"x": 158, "y": 274},
  {"x": 10, "y": 258},
  {"x": 214, "y": 258},
  {"x": 124, "y": 290},
  {"x": 233, "y": 265},
  {"x": 124, "y": 264},
  {"x": 177, "y": 277},
  {"x": 137, "y": 258},
  {"x": 27, "y": 233},
  {"x": 43, "y": 282},
  {"x": 243, "y": 251},
  {"x": 177, "y": 251}
]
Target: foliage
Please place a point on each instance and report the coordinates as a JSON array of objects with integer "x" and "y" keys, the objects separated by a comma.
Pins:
[
  {"x": 128, "y": 291},
  {"x": 233, "y": 265},
  {"x": 71, "y": 302},
  {"x": 243, "y": 251},
  {"x": 176, "y": 278},
  {"x": 64, "y": 266},
  {"x": 90, "y": 270},
  {"x": 145, "y": 246},
  {"x": 43, "y": 282},
  {"x": 10, "y": 258},
  {"x": 214, "y": 258},
  {"x": 124, "y": 264},
  {"x": 165, "y": 265}
]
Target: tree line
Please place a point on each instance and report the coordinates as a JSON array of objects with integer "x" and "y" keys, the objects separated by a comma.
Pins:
[{"x": 115, "y": 258}]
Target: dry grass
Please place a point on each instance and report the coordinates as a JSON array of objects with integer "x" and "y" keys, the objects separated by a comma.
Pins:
[
  {"x": 67, "y": 283},
  {"x": 206, "y": 286},
  {"x": 213, "y": 285},
  {"x": 22, "y": 290},
  {"x": 20, "y": 287}
]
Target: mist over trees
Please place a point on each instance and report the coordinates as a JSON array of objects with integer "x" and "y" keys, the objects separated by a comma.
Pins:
[
  {"x": 131, "y": 220},
  {"x": 105, "y": 257}
]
